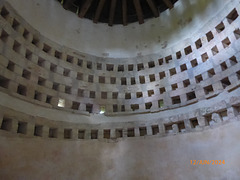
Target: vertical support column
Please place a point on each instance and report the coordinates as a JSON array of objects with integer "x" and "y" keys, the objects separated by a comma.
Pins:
[
  {"x": 14, "y": 126},
  {"x": 30, "y": 128},
  {"x": 187, "y": 125},
  {"x": 112, "y": 133},
  {"x": 149, "y": 130},
  {"x": 201, "y": 121},
  {"x": 216, "y": 118},
  {"x": 87, "y": 134},
  {"x": 60, "y": 133},
  {"x": 232, "y": 112},
  {"x": 75, "y": 134},
  {"x": 45, "y": 133},
  {"x": 100, "y": 133},
  {"x": 136, "y": 132},
  {"x": 124, "y": 132},
  {"x": 175, "y": 128}
]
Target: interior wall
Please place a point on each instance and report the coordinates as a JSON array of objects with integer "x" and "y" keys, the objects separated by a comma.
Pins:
[
  {"x": 137, "y": 158},
  {"x": 154, "y": 36}
]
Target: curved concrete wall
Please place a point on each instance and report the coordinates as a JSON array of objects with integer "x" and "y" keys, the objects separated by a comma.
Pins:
[
  {"x": 198, "y": 118},
  {"x": 155, "y": 36}
]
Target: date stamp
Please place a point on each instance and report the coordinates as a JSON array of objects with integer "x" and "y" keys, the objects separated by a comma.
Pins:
[{"x": 207, "y": 162}]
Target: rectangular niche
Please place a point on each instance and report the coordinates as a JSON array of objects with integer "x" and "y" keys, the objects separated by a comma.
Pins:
[
  {"x": 140, "y": 67},
  {"x": 204, "y": 57},
  {"x": 119, "y": 133},
  {"x": 168, "y": 127},
  {"x": 148, "y": 105},
  {"x": 194, "y": 62},
  {"x": 114, "y": 95},
  {"x": 232, "y": 16},
  {"x": 123, "y": 81},
  {"x": 174, "y": 86},
  {"x": 215, "y": 50},
  {"x": 101, "y": 79},
  {"x": 225, "y": 82},
  {"x": 188, "y": 50},
  {"x": 208, "y": 89},
  {"x": 22, "y": 128},
  {"x": 134, "y": 107},
  {"x": 4, "y": 36},
  {"x": 133, "y": 81},
  {"x": 6, "y": 124},
  {"x": 53, "y": 133},
  {"x": 16, "y": 46},
  {"x": 89, "y": 65},
  {"x": 143, "y": 131},
  {"x": 150, "y": 93},
  {"x": 106, "y": 133},
  {"x": 22, "y": 90},
  {"x": 181, "y": 126},
  {"x": 186, "y": 83},
  {"x": 94, "y": 134},
  {"x": 26, "y": 74},
  {"x": 209, "y": 36},
  {"x": 155, "y": 129},
  {"x": 120, "y": 68},
  {"x": 130, "y": 67},
  {"x": 109, "y": 67},
  {"x": 160, "y": 61},
  {"x": 220, "y": 27},
  {"x": 160, "y": 103},
  {"x": 89, "y": 108},
  {"x": 226, "y": 42},
  {"x": 38, "y": 130},
  {"x": 69, "y": 59},
  {"x": 151, "y": 64},
  {"x": 162, "y": 75},
  {"x": 92, "y": 94},
  {"x": 168, "y": 59},
  {"x": 139, "y": 94},
  {"x": 112, "y": 80},
  {"x": 162, "y": 90},
  {"x": 191, "y": 95},
  {"x": 4, "y": 82},
  {"x": 130, "y": 132},
  {"x": 193, "y": 122},
  {"x": 176, "y": 100},
  {"x": 178, "y": 55},
  {"x": 67, "y": 133},
  {"x": 237, "y": 33},
  {"x": 28, "y": 55},
  {"x": 81, "y": 134},
  {"x": 115, "y": 108},
  {"x": 198, "y": 43},
  {"x": 198, "y": 78},
  {"x": 58, "y": 54},
  {"x": 66, "y": 72},
  {"x": 211, "y": 72},
  {"x": 172, "y": 71},
  {"x": 141, "y": 79},
  {"x": 152, "y": 77},
  {"x": 99, "y": 66},
  {"x": 127, "y": 95},
  {"x": 183, "y": 67},
  {"x": 46, "y": 48},
  {"x": 75, "y": 105}
]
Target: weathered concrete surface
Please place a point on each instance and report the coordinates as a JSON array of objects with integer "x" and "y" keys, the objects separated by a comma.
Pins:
[{"x": 151, "y": 158}]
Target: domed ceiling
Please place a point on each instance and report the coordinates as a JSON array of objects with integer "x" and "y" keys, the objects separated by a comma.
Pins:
[{"x": 117, "y": 11}]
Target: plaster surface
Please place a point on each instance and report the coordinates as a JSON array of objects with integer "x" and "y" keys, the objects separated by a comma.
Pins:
[
  {"x": 154, "y": 36},
  {"x": 150, "y": 158}
]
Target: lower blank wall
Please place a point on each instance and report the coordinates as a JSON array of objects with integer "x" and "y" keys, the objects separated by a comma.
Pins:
[{"x": 134, "y": 158}]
